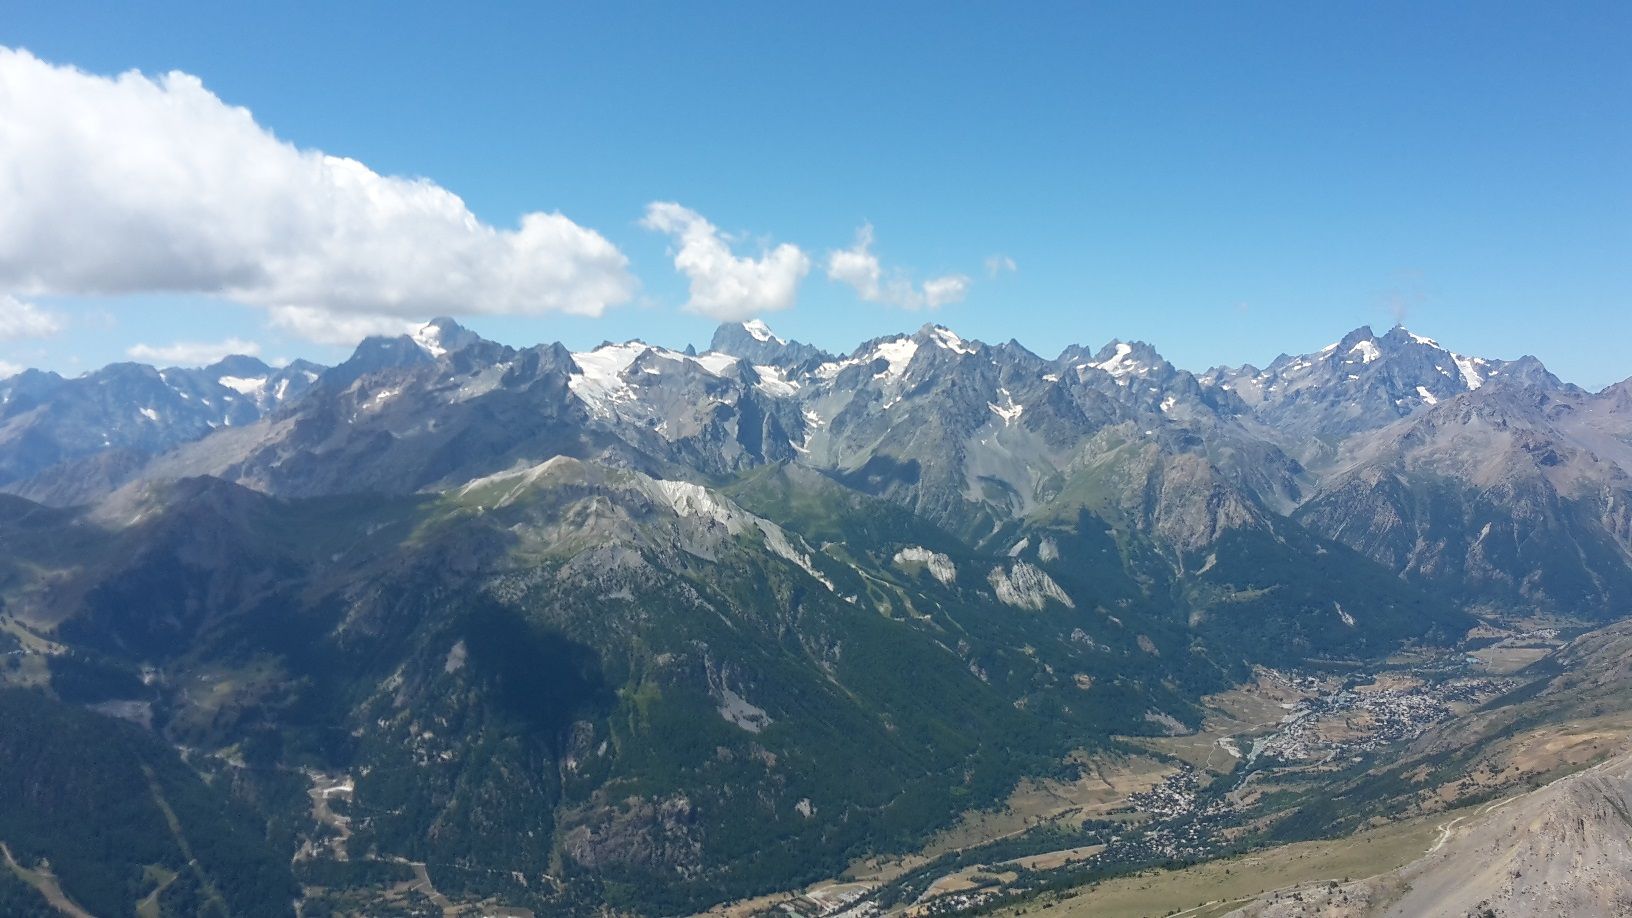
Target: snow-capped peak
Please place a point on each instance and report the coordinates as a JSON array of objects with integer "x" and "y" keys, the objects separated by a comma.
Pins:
[
  {"x": 944, "y": 337},
  {"x": 1120, "y": 364},
  {"x": 759, "y": 331},
  {"x": 442, "y": 335},
  {"x": 603, "y": 377},
  {"x": 429, "y": 339},
  {"x": 1473, "y": 370}
]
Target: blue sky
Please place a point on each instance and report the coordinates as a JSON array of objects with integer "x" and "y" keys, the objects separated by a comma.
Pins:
[{"x": 1226, "y": 181}]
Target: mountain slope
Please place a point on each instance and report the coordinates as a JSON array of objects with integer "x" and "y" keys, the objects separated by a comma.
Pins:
[
  {"x": 1565, "y": 849},
  {"x": 64, "y": 771},
  {"x": 1488, "y": 496},
  {"x": 1318, "y": 402},
  {"x": 656, "y": 628}
]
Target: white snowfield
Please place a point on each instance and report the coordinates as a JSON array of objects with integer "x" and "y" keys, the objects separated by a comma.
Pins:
[
  {"x": 243, "y": 386},
  {"x": 429, "y": 338},
  {"x": 760, "y": 331},
  {"x": 603, "y": 382}
]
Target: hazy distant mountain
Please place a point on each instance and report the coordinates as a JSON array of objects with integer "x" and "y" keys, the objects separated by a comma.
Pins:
[
  {"x": 49, "y": 423},
  {"x": 1317, "y": 402}
]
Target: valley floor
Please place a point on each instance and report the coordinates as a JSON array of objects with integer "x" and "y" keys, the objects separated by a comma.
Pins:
[
  {"x": 1219, "y": 887},
  {"x": 1159, "y": 829}
]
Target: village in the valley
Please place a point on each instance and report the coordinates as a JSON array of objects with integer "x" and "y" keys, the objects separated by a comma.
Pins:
[{"x": 1284, "y": 727}]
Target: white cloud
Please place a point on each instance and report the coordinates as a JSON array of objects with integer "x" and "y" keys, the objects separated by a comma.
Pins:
[
  {"x": 941, "y": 290},
  {"x": 8, "y": 369},
  {"x": 191, "y": 353},
  {"x": 19, "y": 319},
  {"x": 337, "y": 328},
  {"x": 858, "y": 267},
  {"x": 136, "y": 184},
  {"x": 727, "y": 287},
  {"x": 999, "y": 264}
]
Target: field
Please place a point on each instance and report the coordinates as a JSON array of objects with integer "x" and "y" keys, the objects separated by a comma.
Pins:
[{"x": 1217, "y": 887}]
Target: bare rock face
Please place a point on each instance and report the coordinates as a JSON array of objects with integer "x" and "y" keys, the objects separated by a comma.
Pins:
[
  {"x": 1027, "y": 587},
  {"x": 1494, "y": 495},
  {"x": 637, "y": 833}
]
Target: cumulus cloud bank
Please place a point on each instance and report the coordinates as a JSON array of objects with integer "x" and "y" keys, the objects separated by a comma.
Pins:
[
  {"x": 19, "y": 319},
  {"x": 724, "y": 286},
  {"x": 130, "y": 184},
  {"x": 191, "y": 353},
  {"x": 858, "y": 267}
]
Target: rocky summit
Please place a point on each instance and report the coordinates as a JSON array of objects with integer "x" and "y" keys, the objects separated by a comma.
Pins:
[{"x": 459, "y": 625}]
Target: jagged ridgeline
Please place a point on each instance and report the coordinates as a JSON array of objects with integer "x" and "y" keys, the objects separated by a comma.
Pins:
[{"x": 660, "y": 629}]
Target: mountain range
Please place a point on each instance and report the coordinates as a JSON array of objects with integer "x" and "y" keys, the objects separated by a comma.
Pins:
[{"x": 660, "y": 628}]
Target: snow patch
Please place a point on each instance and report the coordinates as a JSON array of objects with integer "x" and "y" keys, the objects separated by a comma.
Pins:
[
  {"x": 772, "y": 382},
  {"x": 1427, "y": 397},
  {"x": 712, "y": 361},
  {"x": 898, "y": 353},
  {"x": 831, "y": 369},
  {"x": 1008, "y": 412},
  {"x": 599, "y": 384},
  {"x": 946, "y": 339},
  {"x": 1470, "y": 368},
  {"x": 243, "y": 385},
  {"x": 149, "y": 413},
  {"x": 1119, "y": 365},
  {"x": 1368, "y": 351}
]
